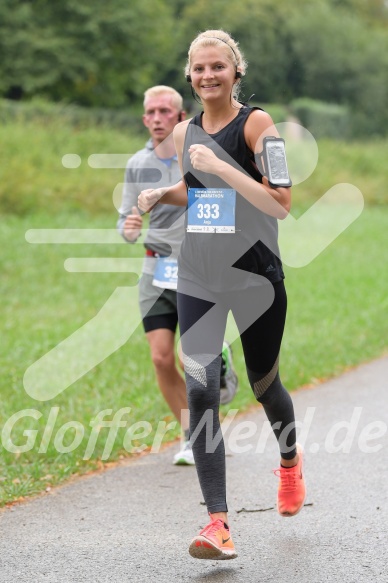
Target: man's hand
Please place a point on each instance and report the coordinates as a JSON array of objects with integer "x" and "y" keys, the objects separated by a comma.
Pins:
[{"x": 133, "y": 224}]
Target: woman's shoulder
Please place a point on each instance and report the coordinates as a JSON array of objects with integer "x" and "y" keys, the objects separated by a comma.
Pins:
[
  {"x": 180, "y": 128},
  {"x": 259, "y": 123},
  {"x": 259, "y": 116},
  {"x": 179, "y": 134}
]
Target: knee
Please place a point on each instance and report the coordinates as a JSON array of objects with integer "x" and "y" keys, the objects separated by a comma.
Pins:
[
  {"x": 203, "y": 383},
  {"x": 201, "y": 397},
  {"x": 162, "y": 359}
]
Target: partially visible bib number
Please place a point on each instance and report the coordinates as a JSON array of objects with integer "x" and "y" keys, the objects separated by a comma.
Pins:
[
  {"x": 166, "y": 273},
  {"x": 211, "y": 210}
]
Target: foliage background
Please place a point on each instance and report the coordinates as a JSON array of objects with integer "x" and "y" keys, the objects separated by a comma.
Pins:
[{"x": 96, "y": 53}]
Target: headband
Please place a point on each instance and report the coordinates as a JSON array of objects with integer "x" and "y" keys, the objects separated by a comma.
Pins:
[{"x": 224, "y": 41}]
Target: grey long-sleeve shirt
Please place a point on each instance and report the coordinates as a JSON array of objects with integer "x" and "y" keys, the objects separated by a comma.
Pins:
[{"x": 166, "y": 226}]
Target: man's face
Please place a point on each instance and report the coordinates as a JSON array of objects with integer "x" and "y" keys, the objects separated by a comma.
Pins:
[{"x": 160, "y": 117}]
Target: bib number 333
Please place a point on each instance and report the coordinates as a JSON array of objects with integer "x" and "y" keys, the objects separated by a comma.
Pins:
[
  {"x": 208, "y": 211},
  {"x": 211, "y": 210}
]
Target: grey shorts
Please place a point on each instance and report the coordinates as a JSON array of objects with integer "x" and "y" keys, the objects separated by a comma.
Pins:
[{"x": 154, "y": 301}]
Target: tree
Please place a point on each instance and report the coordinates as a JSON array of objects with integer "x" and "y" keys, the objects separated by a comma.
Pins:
[
  {"x": 91, "y": 52},
  {"x": 99, "y": 53}
]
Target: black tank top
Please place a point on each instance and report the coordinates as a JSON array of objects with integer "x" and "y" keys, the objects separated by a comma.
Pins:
[{"x": 229, "y": 261}]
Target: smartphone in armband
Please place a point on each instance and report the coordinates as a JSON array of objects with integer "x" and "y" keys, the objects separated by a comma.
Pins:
[{"x": 274, "y": 154}]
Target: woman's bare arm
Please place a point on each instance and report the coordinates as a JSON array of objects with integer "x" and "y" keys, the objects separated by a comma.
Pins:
[{"x": 176, "y": 194}]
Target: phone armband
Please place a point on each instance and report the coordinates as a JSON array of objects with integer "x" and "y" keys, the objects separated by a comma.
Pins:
[{"x": 275, "y": 162}]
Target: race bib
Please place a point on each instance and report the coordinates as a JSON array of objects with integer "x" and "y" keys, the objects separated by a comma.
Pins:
[
  {"x": 166, "y": 273},
  {"x": 211, "y": 210}
]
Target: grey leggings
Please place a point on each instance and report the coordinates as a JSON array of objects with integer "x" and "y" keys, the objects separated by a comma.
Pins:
[{"x": 259, "y": 313}]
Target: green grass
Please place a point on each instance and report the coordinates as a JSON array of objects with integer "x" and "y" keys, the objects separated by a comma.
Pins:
[
  {"x": 33, "y": 178},
  {"x": 337, "y": 304},
  {"x": 336, "y": 319},
  {"x": 360, "y": 163}
]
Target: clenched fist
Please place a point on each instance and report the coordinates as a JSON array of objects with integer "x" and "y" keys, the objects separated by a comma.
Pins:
[
  {"x": 133, "y": 224},
  {"x": 204, "y": 159},
  {"x": 149, "y": 198}
]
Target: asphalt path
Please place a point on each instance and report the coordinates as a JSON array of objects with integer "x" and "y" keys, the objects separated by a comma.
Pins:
[{"x": 135, "y": 522}]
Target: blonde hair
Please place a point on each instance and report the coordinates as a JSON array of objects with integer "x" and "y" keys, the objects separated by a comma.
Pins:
[
  {"x": 220, "y": 38},
  {"x": 157, "y": 90}
]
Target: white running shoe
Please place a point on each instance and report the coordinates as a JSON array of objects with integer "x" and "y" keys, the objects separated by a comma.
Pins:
[
  {"x": 184, "y": 457},
  {"x": 229, "y": 380}
]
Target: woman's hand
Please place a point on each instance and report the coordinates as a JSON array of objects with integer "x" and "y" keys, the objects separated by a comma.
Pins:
[
  {"x": 204, "y": 159},
  {"x": 149, "y": 198}
]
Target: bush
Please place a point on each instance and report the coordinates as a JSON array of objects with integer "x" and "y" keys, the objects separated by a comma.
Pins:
[
  {"x": 277, "y": 111},
  {"x": 38, "y": 110},
  {"x": 33, "y": 178},
  {"x": 323, "y": 120}
]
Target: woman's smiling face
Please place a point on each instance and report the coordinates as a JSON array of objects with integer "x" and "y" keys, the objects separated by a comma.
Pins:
[{"x": 212, "y": 73}]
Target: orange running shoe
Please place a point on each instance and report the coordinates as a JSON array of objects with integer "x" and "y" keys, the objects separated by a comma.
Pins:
[
  {"x": 292, "y": 489},
  {"x": 213, "y": 542}
]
